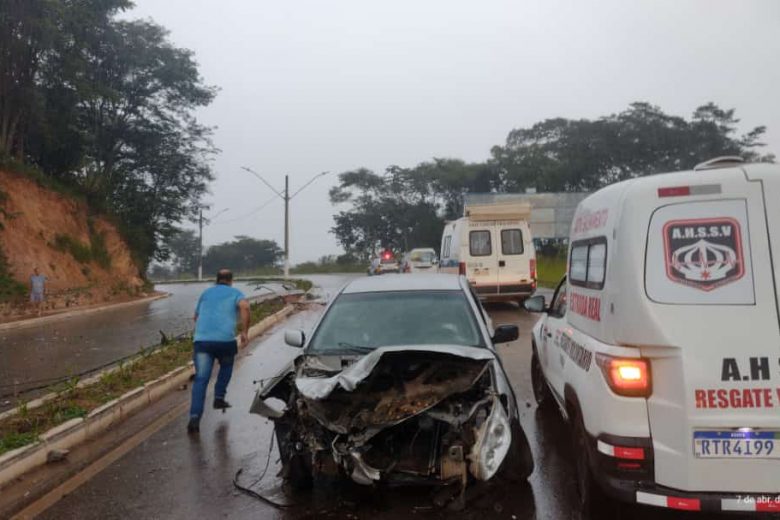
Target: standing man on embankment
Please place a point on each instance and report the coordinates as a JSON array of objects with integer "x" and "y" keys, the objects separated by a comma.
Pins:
[
  {"x": 37, "y": 290},
  {"x": 215, "y": 327}
]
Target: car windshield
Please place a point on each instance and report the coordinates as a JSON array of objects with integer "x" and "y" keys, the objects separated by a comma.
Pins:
[
  {"x": 422, "y": 256},
  {"x": 364, "y": 321}
]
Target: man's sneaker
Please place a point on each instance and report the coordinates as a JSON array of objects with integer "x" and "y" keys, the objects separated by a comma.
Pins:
[
  {"x": 194, "y": 425},
  {"x": 221, "y": 404}
]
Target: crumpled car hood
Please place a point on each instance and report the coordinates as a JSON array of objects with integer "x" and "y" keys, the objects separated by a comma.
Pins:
[
  {"x": 392, "y": 384},
  {"x": 348, "y": 379}
]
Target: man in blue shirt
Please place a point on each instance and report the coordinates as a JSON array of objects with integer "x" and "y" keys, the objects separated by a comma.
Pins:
[
  {"x": 37, "y": 289},
  {"x": 215, "y": 328}
]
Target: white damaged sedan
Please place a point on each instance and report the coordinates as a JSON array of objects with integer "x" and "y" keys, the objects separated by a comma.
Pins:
[{"x": 399, "y": 383}]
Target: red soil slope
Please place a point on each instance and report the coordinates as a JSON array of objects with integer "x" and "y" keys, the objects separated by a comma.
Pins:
[{"x": 34, "y": 221}]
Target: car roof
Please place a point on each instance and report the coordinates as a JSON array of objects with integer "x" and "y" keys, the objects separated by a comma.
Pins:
[{"x": 404, "y": 282}]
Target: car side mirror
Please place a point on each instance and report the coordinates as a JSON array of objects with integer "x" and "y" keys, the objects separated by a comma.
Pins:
[
  {"x": 506, "y": 333},
  {"x": 294, "y": 338},
  {"x": 535, "y": 304}
]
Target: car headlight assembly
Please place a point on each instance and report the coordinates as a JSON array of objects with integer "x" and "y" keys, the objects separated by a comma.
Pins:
[{"x": 493, "y": 439}]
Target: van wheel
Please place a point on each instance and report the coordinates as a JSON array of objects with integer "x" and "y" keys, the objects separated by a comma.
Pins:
[
  {"x": 593, "y": 502},
  {"x": 542, "y": 393}
]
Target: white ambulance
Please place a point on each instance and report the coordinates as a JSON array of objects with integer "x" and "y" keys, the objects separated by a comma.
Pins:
[
  {"x": 662, "y": 347},
  {"x": 492, "y": 246}
]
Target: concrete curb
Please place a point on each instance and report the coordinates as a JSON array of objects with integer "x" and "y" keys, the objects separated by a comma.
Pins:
[
  {"x": 16, "y": 463},
  {"x": 31, "y": 322}
]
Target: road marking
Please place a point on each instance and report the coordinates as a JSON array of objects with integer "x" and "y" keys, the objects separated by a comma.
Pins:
[{"x": 89, "y": 472}]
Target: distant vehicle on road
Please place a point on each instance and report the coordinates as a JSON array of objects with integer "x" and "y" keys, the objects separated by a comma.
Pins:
[
  {"x": 420, "y": 260},
  {"x": 387, "y": 263},
  {"x": 399, "y": 383},
  {"x": 661, "y": 348},
  {"x": 492, "y": 246}
]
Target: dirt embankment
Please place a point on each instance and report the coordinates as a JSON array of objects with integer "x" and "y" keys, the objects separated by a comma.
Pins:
[{"x": 82, "y": 255}]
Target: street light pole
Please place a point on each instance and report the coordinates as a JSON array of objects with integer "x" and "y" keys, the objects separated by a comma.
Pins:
[
  {"x": 285, "y": 195},
  {"x": 200, "y": 246},
  {"x": 286, "y": 226}
]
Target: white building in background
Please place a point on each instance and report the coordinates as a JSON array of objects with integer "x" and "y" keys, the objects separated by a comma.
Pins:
[{"x": 551, "y": 213}]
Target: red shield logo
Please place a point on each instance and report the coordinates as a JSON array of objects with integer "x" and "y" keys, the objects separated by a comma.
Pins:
[{"x": 703, "y": 253}]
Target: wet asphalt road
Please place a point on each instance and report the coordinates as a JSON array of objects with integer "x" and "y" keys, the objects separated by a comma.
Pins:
[
  {"x": 34, "y": 356},
  {"x": 171, "y": 475}
]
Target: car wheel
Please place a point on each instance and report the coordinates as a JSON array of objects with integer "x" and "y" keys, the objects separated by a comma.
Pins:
[
  {"x": 593, "y": 502},
  {"x": 542, "y": 393},
  {"x": 296, "y": 466},
  {"x": 299, "y": 473},
  {"x": 519, "y": 462}
]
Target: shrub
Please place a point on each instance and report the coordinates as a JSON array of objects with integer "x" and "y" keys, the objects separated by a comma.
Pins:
[
  {"x": 67, "y": 244},
  {"x": 10, "y": 288}
]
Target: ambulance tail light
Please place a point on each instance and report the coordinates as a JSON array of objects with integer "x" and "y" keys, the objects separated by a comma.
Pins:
[
  {"x": 532, "y": 267},
  {"x": 674, "y": 191},
  {"x": 629, "y": 377},
  {"x": 686, "y": 191},
  {"x": 462, "y": 268}
]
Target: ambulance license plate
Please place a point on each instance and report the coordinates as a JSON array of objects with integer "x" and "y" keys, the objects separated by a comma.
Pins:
[{"x": 736, "y": 444}]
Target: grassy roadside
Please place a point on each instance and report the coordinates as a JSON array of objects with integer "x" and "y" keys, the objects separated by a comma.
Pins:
[
  {"x": 550, "y": 270},
  {"x": 26, "y": 425}
]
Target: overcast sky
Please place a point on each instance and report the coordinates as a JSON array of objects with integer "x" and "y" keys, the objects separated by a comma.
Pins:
[{"x": 309, "y": 86}]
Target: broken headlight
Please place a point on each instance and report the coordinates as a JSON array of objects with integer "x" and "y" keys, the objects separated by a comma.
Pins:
[{"x": 492, "y": 441}]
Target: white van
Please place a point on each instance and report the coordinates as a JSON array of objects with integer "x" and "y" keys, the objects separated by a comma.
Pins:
[
  {"x": 662, "y": 349},
  {"x": 492, "y": 246}
]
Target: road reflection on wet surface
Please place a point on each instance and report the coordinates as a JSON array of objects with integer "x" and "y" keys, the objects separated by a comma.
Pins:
[
  {"x": 172, "y": 475},
  {"x": 34, "y": 356}
]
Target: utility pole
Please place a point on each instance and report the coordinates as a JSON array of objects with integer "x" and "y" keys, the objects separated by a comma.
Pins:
[
  {"x": 200, "y": 247},
  {"x": 200, "y": 239},
  {"x": 286, "y": 226},
  {"x": 286, "y": 197}
]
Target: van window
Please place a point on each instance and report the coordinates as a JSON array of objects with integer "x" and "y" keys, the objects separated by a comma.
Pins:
[
  {"x": 578, "y": 270},
  {"x": 511, "y": 242},
  {"x": 597, "y": 263},
  {"x": 445, "y": 249},
  {"x": 588, "y": 263},
  {"x": 479, "y": 243}
]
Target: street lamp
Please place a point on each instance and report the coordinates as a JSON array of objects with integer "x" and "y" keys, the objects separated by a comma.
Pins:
[
  {"x": 285, "y": 196},
  {"x": 200, "y": 240}
]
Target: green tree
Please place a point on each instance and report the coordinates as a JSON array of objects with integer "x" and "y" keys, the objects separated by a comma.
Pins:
[
  {"x": 106, "y": 105},
  {"x": 397, "y": 210},
  {"x": 584, "y": 155},
  {"x": 244, "y": 254},
  {"x": 183, "y": 248},
  {"x": 146, "y": 156}
]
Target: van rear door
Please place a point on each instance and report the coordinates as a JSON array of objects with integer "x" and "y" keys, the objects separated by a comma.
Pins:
[
  {"x": 482, "y": 256},
  {"x": 514, "y": 256},
  {"x": 715, "y": 406}
]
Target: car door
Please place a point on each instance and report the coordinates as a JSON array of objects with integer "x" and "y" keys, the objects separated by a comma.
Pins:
[{"x": 551, "y": 356}]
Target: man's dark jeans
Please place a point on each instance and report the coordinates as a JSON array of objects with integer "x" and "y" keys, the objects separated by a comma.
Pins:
[{"x": 204, "y": 355}]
